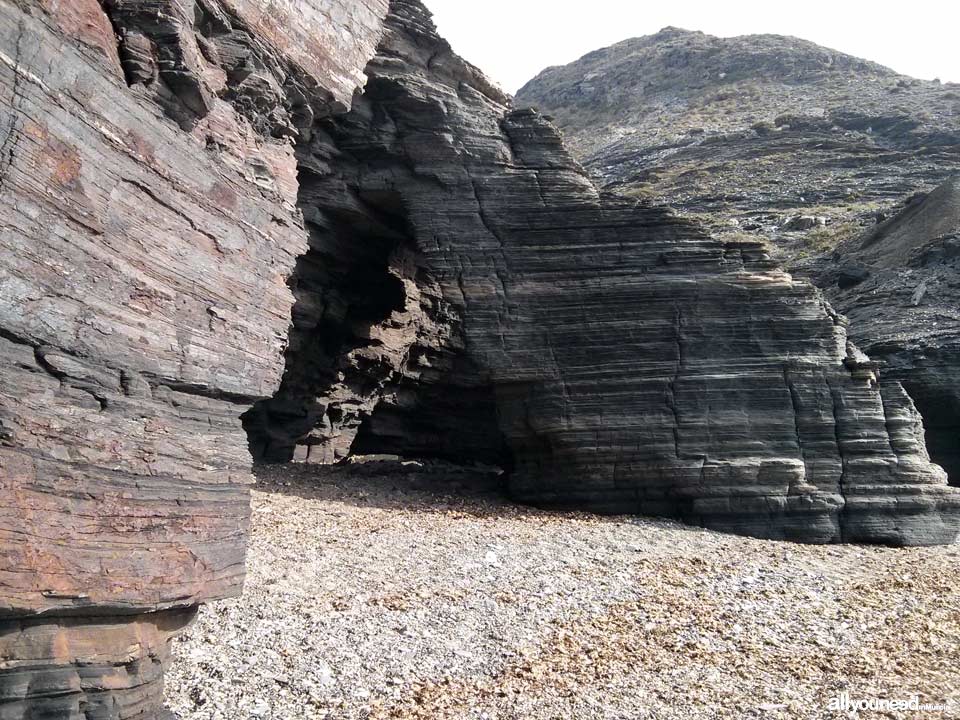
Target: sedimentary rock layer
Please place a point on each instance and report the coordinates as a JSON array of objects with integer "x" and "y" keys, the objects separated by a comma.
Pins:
[
  {"x": 280, "y": 64},
  {"x": 899, "y": 284},
  {"x": 638, "y": 365},
  {"x": 807, "y": 147},
  {"x": 459, "y": 288},
  {"x": 143, "y": 309}
]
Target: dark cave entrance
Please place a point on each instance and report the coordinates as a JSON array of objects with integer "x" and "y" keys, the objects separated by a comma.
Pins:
[
  {"x": 941, "y": 421},
  {"x": 375, "y": 361},
  {"x": 347, "y": 284}
]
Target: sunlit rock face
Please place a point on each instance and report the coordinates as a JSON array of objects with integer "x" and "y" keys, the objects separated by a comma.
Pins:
[
  {"x": 634, "y": 363},
  {"x": 148, "y": 225}
]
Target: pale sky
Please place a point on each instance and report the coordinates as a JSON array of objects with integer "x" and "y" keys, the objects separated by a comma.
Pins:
[{"x": 513, "y": 40}]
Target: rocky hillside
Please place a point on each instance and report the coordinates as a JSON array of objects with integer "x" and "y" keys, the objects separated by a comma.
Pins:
[{"x": 760, "y": 133}]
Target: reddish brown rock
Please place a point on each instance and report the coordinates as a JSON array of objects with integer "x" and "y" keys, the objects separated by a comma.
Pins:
[
  {"x": 280, "y": 64},
  {"x": 143, "y": 309},
  {"x": 328, "y": 39},
  {"x": 84, "y": 20}
]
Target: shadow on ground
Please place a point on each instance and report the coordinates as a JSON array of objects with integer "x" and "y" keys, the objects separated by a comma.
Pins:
[
  {"x": 393, "y": 484},
  {"x": 423, "y": 486}
]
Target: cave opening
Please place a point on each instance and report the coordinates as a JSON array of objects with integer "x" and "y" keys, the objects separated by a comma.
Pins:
[
  {"x": 941, "y": 421},
  {"x": 349, "y": 284},
  {"x": 375, "y": 363}
]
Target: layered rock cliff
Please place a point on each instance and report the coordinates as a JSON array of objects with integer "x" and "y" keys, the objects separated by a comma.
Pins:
[
  {"x": 457, "y": 287},
  {"x": 899, "y": 284},
  {"x": 143, "y": 309},
  {"x": 636, "y": 364},
  {"x": 803, "y": 146}
]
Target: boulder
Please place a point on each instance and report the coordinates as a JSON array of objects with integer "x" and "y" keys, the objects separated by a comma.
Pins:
[
  {"x": 850, "y": 275},
  {"x": 804, "y": 222}
]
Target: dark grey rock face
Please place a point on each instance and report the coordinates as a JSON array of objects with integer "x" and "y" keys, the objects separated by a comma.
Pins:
[
  {"x": 903, "y": 307},
  {"x": 637, "y": 364},
  {"x": 143, "y": 309},
  {"x": 807, "y": 148},
  {"x": 376, "y": 360}
]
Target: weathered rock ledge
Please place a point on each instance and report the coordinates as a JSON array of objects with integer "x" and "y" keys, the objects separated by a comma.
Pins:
[{"x": 899, "y": 285}]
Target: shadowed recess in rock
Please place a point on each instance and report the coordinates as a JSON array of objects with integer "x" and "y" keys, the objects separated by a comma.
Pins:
[
  {"x": 375, "y": 362},
  {"x": 941, "y": 418}
]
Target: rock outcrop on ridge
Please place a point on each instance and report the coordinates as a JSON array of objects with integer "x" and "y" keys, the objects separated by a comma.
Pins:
[
  {"x": 635, "y": 363},
  {"x": 749, "y": 133},
  {"x": 899, "y": 283},
  {"x": 143, "y": 309}
]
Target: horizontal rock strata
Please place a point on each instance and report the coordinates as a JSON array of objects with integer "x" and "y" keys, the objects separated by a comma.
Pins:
[
  {"x": 900, "y": 285},
  {"x": 637, "y": 364},
  {"x": 807, "y": 147},
  {"x": 143, "y": 309},
  {"x": 458, "y": 288}
]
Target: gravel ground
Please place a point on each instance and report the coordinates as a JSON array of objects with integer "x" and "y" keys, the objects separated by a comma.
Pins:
[{"x": 391, "y": 590}]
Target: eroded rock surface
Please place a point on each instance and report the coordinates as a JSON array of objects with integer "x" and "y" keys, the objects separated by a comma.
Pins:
[
  {"x": 143, "y": 309},
  {"x": 280, "y": 64},
  {"x": 637, "y": 364},
  {"x": 899, "y": 283},
  {"x": 459, "y": 288},
  {"x": 808, "y": 148}
]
